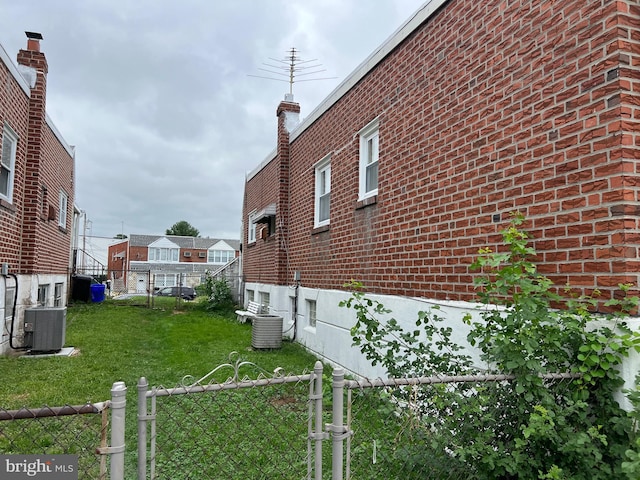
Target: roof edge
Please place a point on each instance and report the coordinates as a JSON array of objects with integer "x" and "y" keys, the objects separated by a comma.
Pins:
[
  {"x": 426, "y": 11},
  {"x": 13, "y": 69}
]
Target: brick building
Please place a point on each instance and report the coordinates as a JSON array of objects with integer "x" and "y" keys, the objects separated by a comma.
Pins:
[
  {"x": 469, "y": 111},
  {"x": 143, "y": 262},
  {"x": 36, "y": 194}
]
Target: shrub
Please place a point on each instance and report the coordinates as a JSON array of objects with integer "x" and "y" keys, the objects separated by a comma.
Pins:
[
  {"x": 527, "y": 428},
  {"x": 217, "y": 293}
]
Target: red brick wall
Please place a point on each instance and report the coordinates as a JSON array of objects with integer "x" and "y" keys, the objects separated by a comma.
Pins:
[
  {"x": 44, "y": 244},
  {"x": 261, "y": 257},
  {"x": 489, "y": 107},
  {"x": 118, "y": 264},
  {"x": 15, "y": 113},
  {"x": 53, "y": 242}
]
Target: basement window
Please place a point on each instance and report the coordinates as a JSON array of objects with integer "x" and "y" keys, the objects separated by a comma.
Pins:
[{"x": 43, "y": 295}]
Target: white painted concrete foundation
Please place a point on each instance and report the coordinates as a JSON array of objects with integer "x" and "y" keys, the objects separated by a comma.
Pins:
[
  {"x": 27, "y": 298},
  {"x": 330, "y": 339}
]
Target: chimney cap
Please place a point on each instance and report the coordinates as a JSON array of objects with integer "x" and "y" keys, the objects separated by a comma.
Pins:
[{"x": 34, "y": 35}]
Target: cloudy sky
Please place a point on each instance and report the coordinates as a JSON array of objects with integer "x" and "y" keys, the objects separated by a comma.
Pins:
[{"x": 159, "y": 99}]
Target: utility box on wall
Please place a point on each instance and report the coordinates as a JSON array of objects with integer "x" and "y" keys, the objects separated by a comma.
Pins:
[{"x": 45, "y": 328}]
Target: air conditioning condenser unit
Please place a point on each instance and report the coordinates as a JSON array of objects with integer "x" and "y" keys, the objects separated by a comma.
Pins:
[{"x": 45, "y": 328}]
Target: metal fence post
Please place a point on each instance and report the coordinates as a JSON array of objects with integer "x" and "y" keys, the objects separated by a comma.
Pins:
[
  {"x": 318, "y": 427},
  {"x": 143, "y": 386},
  {"x": 337, "y": 426},
  {"x": 118, "y": 407}
]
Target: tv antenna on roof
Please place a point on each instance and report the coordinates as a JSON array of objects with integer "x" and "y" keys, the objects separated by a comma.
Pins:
[{"x": 293, "y": 67}]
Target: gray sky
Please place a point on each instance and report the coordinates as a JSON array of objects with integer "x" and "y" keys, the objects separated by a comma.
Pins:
[{"x": 157, "y": 99}]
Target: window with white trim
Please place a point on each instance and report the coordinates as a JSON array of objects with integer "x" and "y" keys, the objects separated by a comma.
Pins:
[
  {"x": 323, "y": 192},
  {"x": 165, "y": 280},
  {"x": 62, "y": 209},
  {"x": 221, "y": 256},
  {"x": 265, "y": 300},
  {"x": 58, "y": 301},
  {"x": 10, "y": 298},
  {"x": 369, "y": 148},
  {"x": 43, "y": 295},
  {"x": 311, "y": 312},
  {"x": 7, "y": 163},
  {"x": 157, "y": 254},
  {"x": 251, "y": 233}
]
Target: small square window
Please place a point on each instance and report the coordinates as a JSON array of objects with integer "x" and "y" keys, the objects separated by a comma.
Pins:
[{"x": 311, "y": 313}]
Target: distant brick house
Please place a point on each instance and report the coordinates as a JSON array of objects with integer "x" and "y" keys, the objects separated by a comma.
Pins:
[
  {"x": 142, "y": 262},
  {"x": 36, "y": 194},
  {"x": 469, "y": 111}
]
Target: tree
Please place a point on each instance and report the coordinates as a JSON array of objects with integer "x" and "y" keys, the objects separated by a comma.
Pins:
[
  {"x": 120, "y": 236},
  {"x": 183, "y": 228}
]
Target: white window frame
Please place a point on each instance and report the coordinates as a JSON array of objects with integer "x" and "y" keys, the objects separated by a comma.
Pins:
[
  {"x": 57, "y": 295},
  {"x": 9, "y": 295},
  {"x": 322, "y": 191},
  {"x": 162, "y": 280},
  {"x": 312, "y": 313},
  {"x": 43, "y": 295},
  {"x": 265, "y": 300},
  {"x": 369, "y": 156},
  {"x": 163, "y": 255},
  {"x": 251, "y": 233},
  {"x": 62, "y": 206},
  {"x": 9, "y": 144},
  {"x": 220, "y": 257}
]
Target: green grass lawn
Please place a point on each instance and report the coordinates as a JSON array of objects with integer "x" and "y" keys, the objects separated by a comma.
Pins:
[
  {"x": 231, "y": 434},
  {"x": 117, "y": 342},
  {"x": 123, "y": 343}
]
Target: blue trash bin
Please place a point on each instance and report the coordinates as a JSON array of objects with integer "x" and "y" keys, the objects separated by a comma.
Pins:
[{"x": 97, "y": 292}]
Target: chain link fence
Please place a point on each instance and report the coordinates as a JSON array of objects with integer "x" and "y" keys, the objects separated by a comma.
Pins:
[
  {"x": 413, "y": 428},
  {"x": 274, "y": 426},
  {"x": 149, "y": 289},
  {"x": 70, "y": 430},
  {"x": 238, "y": 429}
]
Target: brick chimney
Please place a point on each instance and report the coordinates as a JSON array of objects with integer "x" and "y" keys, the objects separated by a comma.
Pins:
[
  {"x": 287, "y": 113},
  {"x": 33, "y": 66}
]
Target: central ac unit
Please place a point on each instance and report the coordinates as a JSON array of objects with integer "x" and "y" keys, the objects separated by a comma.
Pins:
[{"x": 46, "y": 328}]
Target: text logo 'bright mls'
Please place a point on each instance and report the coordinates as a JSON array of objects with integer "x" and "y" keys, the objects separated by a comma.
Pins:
[{"x": 58, "y": 467}]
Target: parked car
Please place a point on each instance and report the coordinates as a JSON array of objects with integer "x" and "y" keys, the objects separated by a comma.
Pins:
[{"x": 186, "y": 293}]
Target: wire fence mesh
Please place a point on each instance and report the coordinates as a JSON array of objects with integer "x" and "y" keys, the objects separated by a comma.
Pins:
[
  {"x": 272, "y": 427},
  {"x": 247, "y": 429},
  {"x": 404, "y": 429},
  {"x": 147, "y": 288},
  {"x": 70, "y": 430}
]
